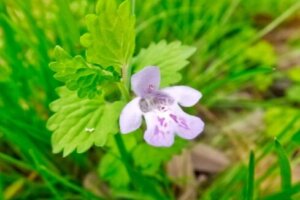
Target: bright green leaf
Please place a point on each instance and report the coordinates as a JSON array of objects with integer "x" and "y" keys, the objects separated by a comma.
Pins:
[
  {"x": 65, "y": 66},
  {"x": 294, "y": 73},
  {"x": 293, "y": 93},
  {"x": 110, "y": 39},
  {"x": 80, "y": 123},
  {"x": 78, "y": 75},
  {"x": 113, "y": 170},
  {"x": 170, "y": 58},
  {"x": 255, "y": 52},
  {"x": 155, "y": 156},
  {"x": 282, "y": 122}
]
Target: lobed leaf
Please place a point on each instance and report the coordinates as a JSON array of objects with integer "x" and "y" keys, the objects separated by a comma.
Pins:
[
  {"x": 110, "y": 39},
  {"x": 170, "y": 58},
  {"x": 80, "y": 123},
  {"x": 155, "y": 156},
  {"x": 65, "y": 66},
  {"x": 79, "y": 75}
]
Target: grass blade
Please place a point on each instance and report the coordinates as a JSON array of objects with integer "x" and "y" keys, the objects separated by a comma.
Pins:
[
  {"x": 285, "y": 168},
  {"x": 249, "y": 195},
  {"x": 284, "y": 194}
]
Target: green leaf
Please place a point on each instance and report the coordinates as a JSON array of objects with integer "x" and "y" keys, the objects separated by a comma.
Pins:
[
  {"x": 293, "y": 93},
  {"x": 5, "y": 72},
  {"x": 79, "y": 75},
  {"x": 110, "y": 39},
  {"x": 155, "y": 156},
  {"x": 285, "y": 168},
  {"x": 296, "y": 137},
  {"x": 113, "y": 170},
  {"x": 254, "y": 53},
  {"x": 170, "y": 58},
  {"x": 250, "y": 179},
  {"x": 65, "y": 66},
  {"x": 294, "y": 73},
  {"x": 282, "y": 122},
  {"x": 80, "y": 123}
]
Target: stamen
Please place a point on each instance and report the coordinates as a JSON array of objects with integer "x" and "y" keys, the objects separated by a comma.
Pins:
[
  {"x": 144, "y": 105},
  {"x": 158, "y": 100}
]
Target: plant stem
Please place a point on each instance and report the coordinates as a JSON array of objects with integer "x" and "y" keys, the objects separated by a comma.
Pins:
[
  {"x": 124, "y": 87},
  {"x": 123, "y": 152},
  {"x": 126, "y": 75},
  {"x": 124, "y": 91}
]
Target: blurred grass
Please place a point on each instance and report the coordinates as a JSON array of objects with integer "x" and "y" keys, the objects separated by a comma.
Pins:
[{"x": 228, "y": 62}]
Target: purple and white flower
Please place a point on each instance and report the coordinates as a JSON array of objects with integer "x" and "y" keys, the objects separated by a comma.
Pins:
[{"x": 164, "y": 117}]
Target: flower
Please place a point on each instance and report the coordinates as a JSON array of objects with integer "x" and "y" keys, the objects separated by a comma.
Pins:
[{"x": 164, "y": 117}]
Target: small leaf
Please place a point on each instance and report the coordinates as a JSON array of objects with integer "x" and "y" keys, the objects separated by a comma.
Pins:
[
  {"x": 294, "y": 73},
  {"x": 80, "y": 123},
  {"x": 170, "y": 58},
  {"x": 155, "y": 156},
  {"x": 113, "y": 170},
  {"x": 282, "y": 122},
  {"x": 110, "y": 39},
  {"x": 65, "y": 66},
  {"x": 254, "y": 53},
  {"x": 285, "y": 168},
  {"x": 293, "y": 93}
]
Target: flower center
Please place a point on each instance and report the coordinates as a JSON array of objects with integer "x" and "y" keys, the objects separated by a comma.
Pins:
[{"x": 156, "y": 101}]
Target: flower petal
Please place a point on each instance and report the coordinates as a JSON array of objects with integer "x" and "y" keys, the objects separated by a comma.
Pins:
[
  {"x": 184, "y": 95},
  {"x": 131, "y": 116},
  {"x": 145, "y": 81},
  {"x": 186, "y": 126},
  {"x": 159, "y": 131}
]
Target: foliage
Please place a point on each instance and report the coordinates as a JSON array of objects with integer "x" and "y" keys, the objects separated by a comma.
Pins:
[
  {"x": 241, "y": 65},
  {"x": 111, "y": 34},
  {"x": 172, "y": 58},
  {"x": 80, "y": 123}
]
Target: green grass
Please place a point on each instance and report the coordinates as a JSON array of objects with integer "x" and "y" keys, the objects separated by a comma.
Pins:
[{"x": 235, "y": 66}]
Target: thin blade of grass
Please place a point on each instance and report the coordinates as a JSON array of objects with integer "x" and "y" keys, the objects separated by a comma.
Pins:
[
  {"x": 249, "y": 194},
  {"x": 285, "y": 168},
  {"x": 51, "y": 176}
]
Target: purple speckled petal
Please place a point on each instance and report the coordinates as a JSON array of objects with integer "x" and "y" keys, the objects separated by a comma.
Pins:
[
  {"x": 159, "y": 130},
  {"x": 186, "y": 126},
  {"x": 184, "y": 95},
  {"x": 145, "y": 81},
  {"x": 131, "y": 116}
]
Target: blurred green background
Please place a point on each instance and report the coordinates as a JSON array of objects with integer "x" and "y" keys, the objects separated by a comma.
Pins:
[{"x": 247, "y": 66}]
